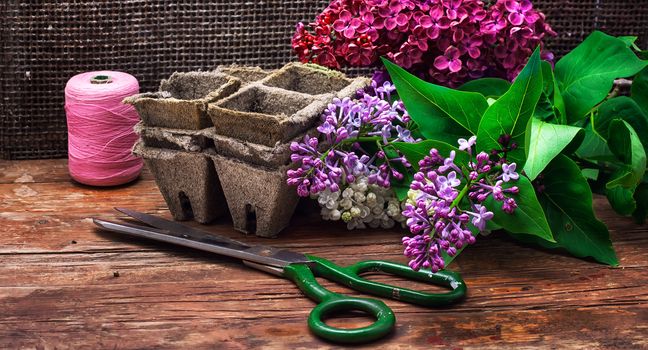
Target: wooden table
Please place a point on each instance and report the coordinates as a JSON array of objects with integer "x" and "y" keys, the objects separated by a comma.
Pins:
[{"x": 64, "y": 284}]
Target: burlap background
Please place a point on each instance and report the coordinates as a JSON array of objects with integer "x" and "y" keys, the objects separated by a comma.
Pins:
[{"x": 45, "y": 42}]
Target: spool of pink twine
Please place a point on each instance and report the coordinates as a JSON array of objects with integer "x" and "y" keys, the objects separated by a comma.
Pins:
[{"x": 100, "y": 128}]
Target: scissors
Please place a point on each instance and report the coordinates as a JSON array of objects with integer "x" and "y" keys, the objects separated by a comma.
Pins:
[{"x": 302, "y": 269}]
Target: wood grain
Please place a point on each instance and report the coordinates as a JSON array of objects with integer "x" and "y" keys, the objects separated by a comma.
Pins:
[{"x": 64, "y": 284}]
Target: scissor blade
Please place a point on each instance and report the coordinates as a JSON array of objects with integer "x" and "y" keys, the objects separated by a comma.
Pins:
[
  {"x": 172, "y": 226},
  {"x": 258, "y": 254}
]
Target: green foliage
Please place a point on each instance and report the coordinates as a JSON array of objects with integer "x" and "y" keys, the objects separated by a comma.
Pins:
[
  {"x": 625, "y": 144},
  {"x": 441, "y": 113},
  {"x": 624, "y": 108},
  {"x": 640, "y": 90},
  {"x": 628, "y": 40},
  {"x": 528, "y": 218},
  {"x": 488, "y": 87},
  {"x": 510, "y": 114},
  {"x": 544, "y": 141},
  {"x": 586, "y": 74},
  {"x": 572, "y": 136},
  {"x": 401, "y": 188},
  {"x": 551, "y": 105},
  {"x": 594, "y": 147},
  {"x": 414, "y": 152},
  {"x": 567, "y": 203}
]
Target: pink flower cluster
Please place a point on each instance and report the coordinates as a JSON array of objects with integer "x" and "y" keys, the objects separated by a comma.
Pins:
[{"x": 444, "y": 41}]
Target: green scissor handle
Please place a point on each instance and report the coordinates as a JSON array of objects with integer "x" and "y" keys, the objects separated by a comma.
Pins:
[{"x": 330, "y": 302}]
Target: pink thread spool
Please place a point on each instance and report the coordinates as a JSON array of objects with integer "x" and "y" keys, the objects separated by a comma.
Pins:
[{"x": 100, "y": 128}]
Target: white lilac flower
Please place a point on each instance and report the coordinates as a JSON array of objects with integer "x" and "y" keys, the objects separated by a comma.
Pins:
[
  {"x": 361, "y": 205},
  {"x": 465, "y": 145}
]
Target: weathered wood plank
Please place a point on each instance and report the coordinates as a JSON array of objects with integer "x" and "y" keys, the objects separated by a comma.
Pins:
[
  {"x": 42, "y": 170},
  {"x": 64, "y": 284}
]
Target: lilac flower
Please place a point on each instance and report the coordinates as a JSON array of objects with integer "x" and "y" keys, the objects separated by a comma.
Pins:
[
  {"x": 521, "y": 11},
  {"x": 370, "y": 26},
  {"x": 359, "y": 55},
  {"x": 347, "y": 24},
  {"x": 449, "y": 60},
  {"x": 385, "y": 90},
  {"x": 509, "y": 205},
  {"x": 340, "y": 159},
  {"x": 449, "y": 163},
  {"x": 493, "y": 38},
  {"x": 379, "y": 77},
  {"x": 443, "y": 201},
  {"x": 455, "y": 10},
  {"x": 404, "y": 134},
  {"x": 481, "y": 216},
  {"x": 449, "y": 180},
  {"x": 465, "y": 145},
  {"x": 326, "y": 128},
  {"x": 391, "y": 14},
  {"x": 434, "y": 23},
  {"x": 423, "y": 253},
  {"x": 508, "y": 172}
]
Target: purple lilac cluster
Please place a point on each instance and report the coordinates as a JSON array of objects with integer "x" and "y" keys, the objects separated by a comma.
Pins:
[
  {"x": 444, "y": 41},
  {"x": 445, "y": 198},
  {"x": 337, "y": 157}
]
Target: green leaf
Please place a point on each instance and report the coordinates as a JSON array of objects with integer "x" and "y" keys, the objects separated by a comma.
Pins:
[
  {"x": 559, "y": 104},
  {"x": 567, "y": 203},
  {"x": 547, "y": 77},
  {"x": 640, "y": 90},
  {"x": 625, "y": 108},
  {"x": 586, "y": 74},
  {"x": 414, "y": 152},
  {"x": 545, "y": 108},
  {"x": 511, "y": 112},
  {"x": 590, "y": 174},
  {"x": 622, "y": 200},
  {"x": 488, "y": 87},
  {"x": 441, "y": 113},
  {"x": 528, "y": 218},
  {"x": 401, "y": 191},
  {"x": 628, "y": 40},
  {"x": 545, "y": 141},
  {"x": 594, "y": 147},
  {"x": 552, "y": 93},
  {"x": 625, "y": 144}
]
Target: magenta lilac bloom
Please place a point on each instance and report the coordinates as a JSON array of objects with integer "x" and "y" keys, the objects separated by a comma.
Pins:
[
  {"x": 444, "y": 41},
  {"x": 445, "y": 207}
]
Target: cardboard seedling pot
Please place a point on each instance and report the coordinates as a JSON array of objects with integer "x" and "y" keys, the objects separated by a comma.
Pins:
[
  {"x": 188, "y": 182},
  {"x": 265, "y": 115},
  {"x": 281, "y": 106},
  {"x": 201, "y": 140},
  {"x": 259, "y": 199},
  {"x": 245, "y": 74},
  {"x": 243, "y": 158},
  {"x": 173, "y": 139},
  {"x": 182, "y": 100},
  {"x": 308, "y": 79}
]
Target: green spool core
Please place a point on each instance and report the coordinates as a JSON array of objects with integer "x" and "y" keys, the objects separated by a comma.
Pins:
[{"x": 101, "y": 79}]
